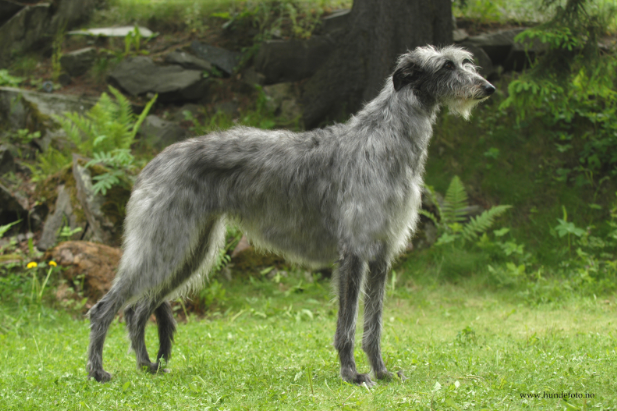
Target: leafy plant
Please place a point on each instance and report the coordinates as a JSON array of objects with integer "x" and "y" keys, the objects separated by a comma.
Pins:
[
  {"x": 132, "y": 43},
  {"x": 66, "y": 233},
  {"x": 5, "y": 228},
  {"x": 24, "y": 136},
  {"x": 567, "y": 228},
  {"x": 7, "y": 80},
  {"x": 452, "y": 222},
  {"x": 571, "y": 86},
  {"x": 213, "y": 294}
]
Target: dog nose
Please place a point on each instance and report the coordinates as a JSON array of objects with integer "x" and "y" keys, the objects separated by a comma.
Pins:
[{"x": 488, "y": 89}]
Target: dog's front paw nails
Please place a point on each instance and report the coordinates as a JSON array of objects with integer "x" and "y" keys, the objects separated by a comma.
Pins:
[{"x": 99, "y": 375}]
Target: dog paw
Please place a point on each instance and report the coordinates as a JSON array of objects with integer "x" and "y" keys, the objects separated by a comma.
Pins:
[
  {"x": 358, "y": 379},
  {"x": 153, "y": 368},
  {"x": 388, "y": 376},
  {"x": 99, "y": 375}
]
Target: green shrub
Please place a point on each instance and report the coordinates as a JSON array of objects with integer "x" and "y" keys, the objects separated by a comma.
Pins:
[{"x": 571, "y": 87}]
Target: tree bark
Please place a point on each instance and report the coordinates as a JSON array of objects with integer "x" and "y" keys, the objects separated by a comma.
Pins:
[{"x": 378, "y": 32}]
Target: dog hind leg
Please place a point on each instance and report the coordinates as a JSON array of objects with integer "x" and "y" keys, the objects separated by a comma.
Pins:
[
  {"x": 137, "y": 317},
  {"x": 101, "y": 316},
  {"x": 166, "y": 328}
]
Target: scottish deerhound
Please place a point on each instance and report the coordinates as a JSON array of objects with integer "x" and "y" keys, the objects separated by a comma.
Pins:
[{"x": 349, "y": 192}]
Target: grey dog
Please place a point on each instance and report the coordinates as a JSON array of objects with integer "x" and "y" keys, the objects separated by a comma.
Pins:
[{"x": 349, "y": 192}]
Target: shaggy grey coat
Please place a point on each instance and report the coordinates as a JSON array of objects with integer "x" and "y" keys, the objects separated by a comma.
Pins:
[{"x": 349, "y": 192}]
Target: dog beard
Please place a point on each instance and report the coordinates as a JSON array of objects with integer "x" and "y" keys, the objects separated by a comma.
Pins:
[{"x": 463, "y": 107}]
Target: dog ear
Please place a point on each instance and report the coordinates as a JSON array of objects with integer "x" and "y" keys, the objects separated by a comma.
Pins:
[{"x": 403, "y": 76}]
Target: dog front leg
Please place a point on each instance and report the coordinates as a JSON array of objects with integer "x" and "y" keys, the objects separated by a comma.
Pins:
[
  {"x": 373, "y": 312},
  {"x": 351, "y": 271}
]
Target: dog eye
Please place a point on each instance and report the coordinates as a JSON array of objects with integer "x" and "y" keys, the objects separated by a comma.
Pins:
[{"x": 449, "y": 65}]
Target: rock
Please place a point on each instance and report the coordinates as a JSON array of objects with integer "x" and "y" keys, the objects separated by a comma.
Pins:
[
  {"x": 7, "y": 164},
  {"x": 122, "y": 31},
  {"x": 79, "y": 61},
  {"x": 283, "y": 100},
  {"x": 64, "y": 79},
  {"x": 34, "y": 26},
  {"x": 424, "y": 237},
  {"x": 20, "y": 33},
  {"x": 62, "y": 215},
  {"x": 103, "y": 228},
  {"x": 482, "y": 60},
  {"x": 8, "y": 9},
  {"x": 158, "y": 133},
  {"x": 30, "y": 109},
  {"x": 292, "y": 60},
  {"x": 12, "y": 207},
  {"x": 69, "y": 13},
  {"x": 252, "y": 78},
  {"x": 229, "y": 108},
  {"x": 497, "y": 45},
  {"x": 339, "y": 20},
  {"x": 459, "y": 35},
  {"x": 93, "y": 265},
  {"x": 251, "y": 261},
  {"x": 178, "y": 116},
  {"x": 224, "y": 60},
  {"x": 50, "y": 136},
  {"x": 139, "y": 75},
  {"x": 188, "y": 61},
  {"x": 522, "y": 52}
]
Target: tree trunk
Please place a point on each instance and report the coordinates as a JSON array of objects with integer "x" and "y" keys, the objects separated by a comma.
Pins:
[{"x": 378, "y": 32}]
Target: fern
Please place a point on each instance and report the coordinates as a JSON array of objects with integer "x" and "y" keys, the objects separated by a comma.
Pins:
[
  {"x": 48, "y": 163},
  {"x": 109, "y": 125},
  {"x": 118, "y": 162},
  {"x": 105, "y": 133},
  {"x": 453, "y": 215},
  {"x": 106, "y": 181},
  {"x": 480, "y": 224},
  {"x": 453, "y": 209}
]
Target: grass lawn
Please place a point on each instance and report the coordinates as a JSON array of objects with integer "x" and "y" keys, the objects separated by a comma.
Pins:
[{"x": 459, "y": 347}]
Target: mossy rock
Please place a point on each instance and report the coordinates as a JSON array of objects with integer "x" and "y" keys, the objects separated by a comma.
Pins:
[
  {"x": 47, "y": 191},
  {"x": 116, "y": 198},
  {"x": 251, "y": 261}
]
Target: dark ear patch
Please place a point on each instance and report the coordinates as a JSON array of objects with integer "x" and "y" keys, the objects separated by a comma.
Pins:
[{"x": 410, "y": 74}]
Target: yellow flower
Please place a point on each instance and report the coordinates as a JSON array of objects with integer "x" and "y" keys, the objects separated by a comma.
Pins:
[
  {"x": 32, "y": 265},
  {"x": 53, "y": 263}
]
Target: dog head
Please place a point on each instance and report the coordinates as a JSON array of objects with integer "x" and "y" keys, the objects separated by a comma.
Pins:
[{"x": 442, "y": 76}]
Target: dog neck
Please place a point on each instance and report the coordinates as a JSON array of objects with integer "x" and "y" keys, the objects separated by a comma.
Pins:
[{"x": 406, "y": 113}]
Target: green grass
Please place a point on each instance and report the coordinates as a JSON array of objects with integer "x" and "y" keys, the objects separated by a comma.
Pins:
[{"x": 460, "y": 347}]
